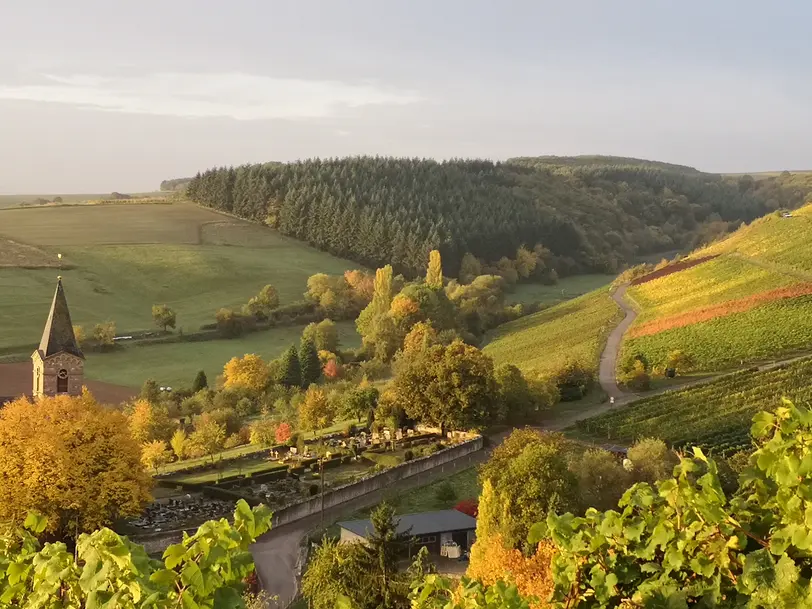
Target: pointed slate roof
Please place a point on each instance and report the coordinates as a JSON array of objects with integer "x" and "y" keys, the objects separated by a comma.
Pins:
[{"x": 58, "y": 335}]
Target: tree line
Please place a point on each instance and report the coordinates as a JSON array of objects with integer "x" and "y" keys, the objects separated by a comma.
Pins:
[{"x": 379, "y": 210}]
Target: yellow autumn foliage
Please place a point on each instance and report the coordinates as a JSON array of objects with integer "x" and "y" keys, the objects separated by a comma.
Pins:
[
  {"x": 492, "y": 562},
  {"x": 247, "y": 372},
  {"x": 73, "y": 460},
  {"x": 403, "y": 306}
]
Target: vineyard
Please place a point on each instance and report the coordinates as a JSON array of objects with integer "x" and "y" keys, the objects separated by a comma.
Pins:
[
  {"x": 773, "y": 330},
  {"x": 576, "y": 329},
  {"x": 715, "y": 416},
  {"x": 773, "y": 239},
  {"x": 714, "y": 282}
]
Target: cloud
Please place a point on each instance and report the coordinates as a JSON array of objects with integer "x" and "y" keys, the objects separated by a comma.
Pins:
[{"x": 197, "y": 95}]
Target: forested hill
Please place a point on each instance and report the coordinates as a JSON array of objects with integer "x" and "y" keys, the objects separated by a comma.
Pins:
[{"x": 379, "y": 210}]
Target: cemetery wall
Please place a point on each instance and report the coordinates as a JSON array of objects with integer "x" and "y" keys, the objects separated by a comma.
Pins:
[{"x": 374, "y": 482}]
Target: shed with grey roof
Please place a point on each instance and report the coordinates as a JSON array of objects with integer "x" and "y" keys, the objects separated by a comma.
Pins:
[{"x": 430, "y": 529}]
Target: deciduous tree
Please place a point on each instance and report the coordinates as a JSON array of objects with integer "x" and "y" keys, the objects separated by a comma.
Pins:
[
  {"x": 72, "y": 460},
  {"x": 179, "y": 443},
  {"x": 249, "y": 372},
  {"x": 261, "y": 305},
  {"x": 324, "y": 334},
  {"x": 451, "y": 386},
  {"x": 104, "y": 333},
  {"x": 282, "y": 433},
  {"x": 79, "y": 333},
  {"x": 155, "y": 454},
  {"x": 209, "y": 435},
  {"x": 163, "y": 316},
  {"x": 360, "y": 401},
  {"x": 263, "y": 432},
  {"x": 434, "y": 273},
  {"x": 315, "y": 412},
  {"x": 150, "y": 422}
]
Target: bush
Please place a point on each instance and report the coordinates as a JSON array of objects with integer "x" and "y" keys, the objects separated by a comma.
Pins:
[
  {"x": 445, "y": 492},
  {"x": 468, "y": 506},
  {"x": 637, "y": 379},
  {"x": 384, "y": 460},
  {"x": 232, "y": 441},
  {"x": 313, "y": 490},
  {"x": 374, "y": 369},
  {"x": 408, "y": 455},
  {"x": 574, "y": 380}
]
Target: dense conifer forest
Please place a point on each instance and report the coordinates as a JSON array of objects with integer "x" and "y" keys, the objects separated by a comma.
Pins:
[{"x": 592, "y": 213}]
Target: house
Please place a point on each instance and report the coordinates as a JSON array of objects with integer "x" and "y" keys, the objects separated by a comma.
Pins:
[{"x": 429, "y": 529}]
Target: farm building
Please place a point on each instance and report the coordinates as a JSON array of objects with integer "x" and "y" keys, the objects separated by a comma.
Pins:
[{"x": 430, "y": 529}]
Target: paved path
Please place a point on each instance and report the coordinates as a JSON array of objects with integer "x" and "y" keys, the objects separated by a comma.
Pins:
[
  {"x": 276, "y": 553},
  {"x": 607, "y": 376}
]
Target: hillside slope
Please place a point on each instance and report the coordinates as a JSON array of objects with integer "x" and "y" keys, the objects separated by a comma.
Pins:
[
  {"x": 119, "y": 260},
  {"x": 544, "y": 341},
  {"x": 593, "y": 213},
  {"x": 750, "y": 300}
]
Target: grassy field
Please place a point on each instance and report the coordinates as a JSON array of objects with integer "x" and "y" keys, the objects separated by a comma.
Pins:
[
  {"x": 175, "y": 364},
  {"x": 775, "y": 240},
  {"x": 17, "y": 200},
  {"x": 124, "y": 259},
  {"x": 715, "y": 416},
  {"x": 543, "y": 341},
  {"x": 566, "y": 289}
]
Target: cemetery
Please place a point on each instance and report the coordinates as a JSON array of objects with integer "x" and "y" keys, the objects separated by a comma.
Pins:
[{"x": 280, "y": 476}]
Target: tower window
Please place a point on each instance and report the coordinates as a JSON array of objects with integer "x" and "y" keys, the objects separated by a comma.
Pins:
[{"x": 62, "y": 381}]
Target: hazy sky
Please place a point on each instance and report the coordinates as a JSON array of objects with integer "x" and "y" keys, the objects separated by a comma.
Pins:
[{"x": 118, "y": 95}]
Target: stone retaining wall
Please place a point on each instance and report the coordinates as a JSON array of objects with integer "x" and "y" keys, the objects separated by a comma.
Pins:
[{"x": 375, "y": 482}]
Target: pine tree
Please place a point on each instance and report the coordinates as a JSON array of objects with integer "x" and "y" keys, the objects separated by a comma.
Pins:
[
  {"x": 201, "y": 382},
  {"x": 309, "y": 363},
  {"x": 434, "y": 274},
  {"x": 290, "y": 374}
]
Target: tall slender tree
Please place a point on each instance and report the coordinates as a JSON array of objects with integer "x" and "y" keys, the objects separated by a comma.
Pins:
[{"x": 434, "y": 274}]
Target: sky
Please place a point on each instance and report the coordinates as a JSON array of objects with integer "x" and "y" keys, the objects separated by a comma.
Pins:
[{"x": 97, "y": 96}]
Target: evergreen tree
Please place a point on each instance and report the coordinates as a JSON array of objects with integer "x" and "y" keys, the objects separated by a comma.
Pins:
[
  {"x": 434, "y": 274},
  {"x": 309, "y": 363},
  {"x": 290, "y": 374},
  {"x": 150, "y": 391},
  {"x": 201, "y": 382}
]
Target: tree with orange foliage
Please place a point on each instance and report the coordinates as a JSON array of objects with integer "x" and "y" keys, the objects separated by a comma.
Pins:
[
  {"x": 420, "y": 337},
  {"x": 247, "y": 372},
  {"x": 283, "y": 433},
  {"x": 403, "y": 307},
  {"x": 72, "y": 460},
  {"x": 492, "y": 561},
  {"x": 332, "y": 369}
]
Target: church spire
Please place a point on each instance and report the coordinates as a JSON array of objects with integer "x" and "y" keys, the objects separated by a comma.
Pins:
[{"x": 58, "y": 336}]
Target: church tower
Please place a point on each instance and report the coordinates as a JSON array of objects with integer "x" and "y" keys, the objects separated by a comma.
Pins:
[{"x": 59, "y": 363}]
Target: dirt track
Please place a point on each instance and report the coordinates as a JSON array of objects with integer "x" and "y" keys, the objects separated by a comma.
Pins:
[{"x": 16, "y": 380}]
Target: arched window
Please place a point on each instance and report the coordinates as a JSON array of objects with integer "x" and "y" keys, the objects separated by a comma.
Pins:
[{"x": 62, "y": 381}]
